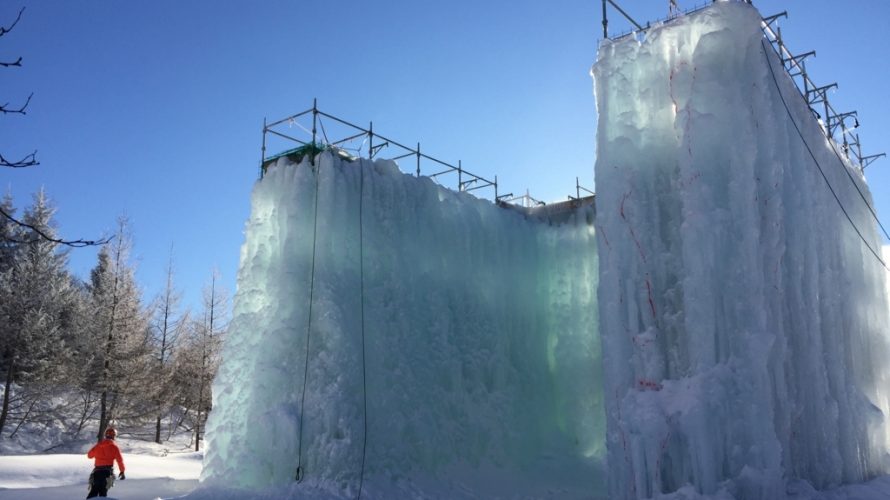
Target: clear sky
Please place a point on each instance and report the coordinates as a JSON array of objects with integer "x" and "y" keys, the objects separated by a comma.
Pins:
[{"x": 155, "y": 109}]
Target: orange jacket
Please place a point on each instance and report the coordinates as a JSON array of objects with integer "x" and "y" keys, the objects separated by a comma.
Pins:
[{"x": 105, "y": 453}]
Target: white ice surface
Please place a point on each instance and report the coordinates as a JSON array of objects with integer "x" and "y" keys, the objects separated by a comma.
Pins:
[
  {"x": 744, "y": 322},
  {"x": 482, "y": 358}
]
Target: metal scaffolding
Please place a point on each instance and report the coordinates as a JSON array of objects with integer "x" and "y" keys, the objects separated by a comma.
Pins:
[
  {"x": 297, "y": 136},
  {"x": 816, "y": 96},
  {"x": 834, "y": 124},
  {"x": 344, "y": 137}
]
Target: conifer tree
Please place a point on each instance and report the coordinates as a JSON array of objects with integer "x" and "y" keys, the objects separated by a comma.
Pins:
[
  {"x": 35, "y": 296},
  {"x": 10, "y": 233},
  {"x": 83, "y": 368},
  {"x": 120, "y": 329}
]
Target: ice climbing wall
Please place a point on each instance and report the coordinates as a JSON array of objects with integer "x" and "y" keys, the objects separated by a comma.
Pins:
[
  {"x": 469, "y": 329},
  {"x": 391, "y": 333},
  {"x": 744, "y": 321}
]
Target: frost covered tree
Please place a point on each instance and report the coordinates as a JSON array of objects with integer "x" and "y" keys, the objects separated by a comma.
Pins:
[
  {"x": 120, "y": 331},
  {"x": 10, "y": 233},
  {"x": 198, "y": 357},
  {"x": 82, "y": 371},
  {"x": 168, "y": 321},
  {"x": 36, "y": 296}
]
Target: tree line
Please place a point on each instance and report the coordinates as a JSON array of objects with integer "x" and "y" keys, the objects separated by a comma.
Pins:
[{"x": 82, "y": 354}]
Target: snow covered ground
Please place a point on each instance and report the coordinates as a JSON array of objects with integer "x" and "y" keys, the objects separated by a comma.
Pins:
[
  {"x": 151, "y": 477},
  {"x": 153, "y": 471}
]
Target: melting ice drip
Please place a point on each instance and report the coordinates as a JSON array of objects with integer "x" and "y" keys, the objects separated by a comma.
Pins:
[{"x": 744, "y": 322}]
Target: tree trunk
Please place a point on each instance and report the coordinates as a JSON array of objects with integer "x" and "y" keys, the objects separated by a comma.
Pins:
[
  {"x": 174, "y": 427},
  {"x": 118, "y": 258},
  {"x": 103, "y": 421},
  {"x": 198, "y": 424},
  {"x": 198, "y": 419},
  {"x": 158, "y": 429},
  {"x": 198, "y": 431},
  {"x": 87, "y": 401},
  {"x": 25, "y": 418},
  {"x": 4, "y": 412}
]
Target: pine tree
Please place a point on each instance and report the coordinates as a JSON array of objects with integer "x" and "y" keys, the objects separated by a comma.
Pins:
[
  {"x": 84, "y": 367},
  {"x": 120, "y": 328},
  {"x": 10, "y": 234},
  {"x": 35, "y": 294}
]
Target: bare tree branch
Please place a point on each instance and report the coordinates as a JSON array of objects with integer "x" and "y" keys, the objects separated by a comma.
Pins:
[
  {"x": 27, "y": 161},
  {"x": 30, "y": 161},
  {"x": 43, "y": 235},
  {"x": 5, "y": 107},
  {"x": 18, "y": 62},
  {"x": 4, "y": 31}
]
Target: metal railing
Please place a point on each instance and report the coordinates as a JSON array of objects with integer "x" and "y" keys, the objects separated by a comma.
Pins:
[
  {"x": 578, "y": 189},
  {"x": 829, "y": 119},
  {"x": 525, "y": 200},
  {"x": 639, "y": 28},
  {"x": 345, "y": 134}
]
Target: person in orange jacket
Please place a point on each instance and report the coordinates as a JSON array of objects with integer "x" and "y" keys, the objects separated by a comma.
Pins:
[{"x": 105, "y": 452}]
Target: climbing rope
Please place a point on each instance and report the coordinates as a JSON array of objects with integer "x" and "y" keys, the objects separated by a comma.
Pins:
[
  {"x": 856, "y": 185},
  {"x": 323, "y": 133},
  {"x": 361, "y": 253},
  {"x": 824, "y": 177},
  {"x": 299, "y": 473}
]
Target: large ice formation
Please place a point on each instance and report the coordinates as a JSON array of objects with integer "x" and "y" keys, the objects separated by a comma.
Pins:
[
  {"x": 743, "y": 319},
  {"x": 439, "y": 342},
  {"x": 479, "y": 340}
]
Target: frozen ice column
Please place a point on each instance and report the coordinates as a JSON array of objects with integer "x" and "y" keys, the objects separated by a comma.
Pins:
[{"x": 743, "y": 319}]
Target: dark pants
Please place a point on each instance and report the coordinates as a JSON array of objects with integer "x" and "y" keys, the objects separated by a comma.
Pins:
[{"x": 100, "y": 480}]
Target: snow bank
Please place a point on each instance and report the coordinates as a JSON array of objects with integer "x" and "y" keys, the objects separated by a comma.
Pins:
[
  {"x": 481, "y": 357},
  {"x": 50, "y": 470},
  {"x": 743, "y": 320}
]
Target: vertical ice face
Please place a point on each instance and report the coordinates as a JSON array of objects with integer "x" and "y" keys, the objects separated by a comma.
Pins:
[
  {"x": 743, "y": 320},
  {"x": 480, "y": 344}
]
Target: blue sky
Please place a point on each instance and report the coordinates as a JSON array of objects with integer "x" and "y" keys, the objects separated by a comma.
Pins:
[{"x": 154, "y": 109}]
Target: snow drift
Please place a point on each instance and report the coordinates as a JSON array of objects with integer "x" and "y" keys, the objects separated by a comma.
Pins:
[
  {"x": 470, "y": 328},
  {"x": 743, "y": 320}
]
